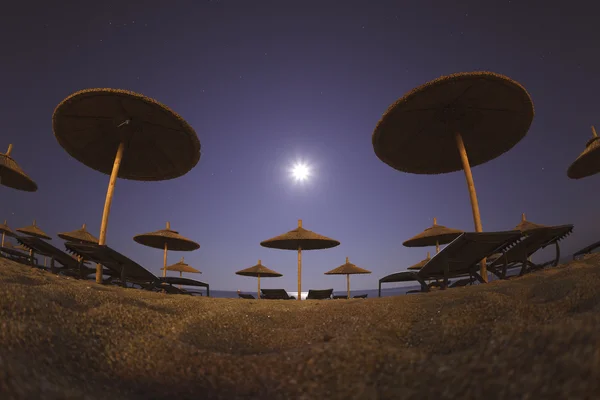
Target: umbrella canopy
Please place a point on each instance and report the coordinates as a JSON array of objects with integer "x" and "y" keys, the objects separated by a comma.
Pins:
[
  {"x": 433, "y": 236},
  {"x": 79, "y": 235},
  {"x": 12, "y": 176},
  {"x": 34, "y": 230},
  {"x": 6, "y": 231},
  {"x": 480, "y": 114},
  {"x": 126, "y": 135},
  {"x": 259, "y": 271},
  {"x": 181, "y": 267},
  {"x": 588, "y": 162},
  {"x": 300, "y": 239},
  {"x": 420, "y": 264},
  {"x": 347, "y": 269},
  {"x": 525, "y": 225},
  {"x": 166, "y": 239}
]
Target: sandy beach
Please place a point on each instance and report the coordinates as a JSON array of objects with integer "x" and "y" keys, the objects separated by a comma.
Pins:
[{"x": 535, "y": 337}]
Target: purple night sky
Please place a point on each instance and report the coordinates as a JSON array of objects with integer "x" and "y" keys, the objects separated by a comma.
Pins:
[{"x": 266, "y": 83}]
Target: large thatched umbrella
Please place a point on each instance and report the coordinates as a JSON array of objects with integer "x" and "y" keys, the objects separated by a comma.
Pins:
[
  {"x": 525, "y": 225},
  {"x": 300, "y": 239},
  {"x": 259, "y": 271},
  {"x": 5, "y": 229},
  {"x": 126, "y": 135},
  {"x": 588, "y": 162},
  {"x": 480, "y": 114},
  {"x": 181, "y": 267},
  {"x": 433, "y": 236},
  {"x": 166, "y": 239},
  {"x": 347, "y": 269},
  {"x": 12, "y": 175},
  {"x": 420, "y": 264},
  {"x": 79, "y": 235}
]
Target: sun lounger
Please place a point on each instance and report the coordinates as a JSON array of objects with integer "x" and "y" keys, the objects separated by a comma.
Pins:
[
  {"x": 458, "y": 259},
  {"x": 68, "y": 265},
  {"x": 586, "y": 250},
  {"x": 462, "y": 282},
  {"x": 276, "y": 294},
  {"x": 342, "y": 296},
  {"x": 246, "y": 296},
  {"x": 361, "y": 296},
  {"x": 320, "y": 294},
  {"x": 130, "y": 271},
  {"x": 17, "y": 256},
  {"x": 534, "y": 240}
]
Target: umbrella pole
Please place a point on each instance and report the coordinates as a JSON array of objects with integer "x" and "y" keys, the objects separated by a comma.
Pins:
[
  {"x": 437, "y": 247},
  {"x": 471, "y": 186},
  {"x": 2, "y": 239},
  {"x": 258, "y": 293},
  {"x": 348, "y": 284},
  {"x": 165, "y": 261},
  {"x": 299, "y": 273},
  {"x": 180, "y": 275},
  {"x": 108, "y": 203}
]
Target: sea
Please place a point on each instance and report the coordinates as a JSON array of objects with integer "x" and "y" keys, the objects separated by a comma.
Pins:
[{"x": 385, "y": 292}]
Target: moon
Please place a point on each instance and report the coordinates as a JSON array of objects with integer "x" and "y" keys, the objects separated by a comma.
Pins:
[{"x": 300, "y": 172}]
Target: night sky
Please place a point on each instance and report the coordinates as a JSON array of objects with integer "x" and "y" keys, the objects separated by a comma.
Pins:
[{"x": 267, "y": 83}]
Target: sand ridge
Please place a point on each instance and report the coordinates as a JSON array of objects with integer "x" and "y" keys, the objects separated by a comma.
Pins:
[{"x": 531, "y": 337}]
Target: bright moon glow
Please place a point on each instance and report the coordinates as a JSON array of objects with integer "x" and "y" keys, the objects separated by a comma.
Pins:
[{"x": 300, "y": 172}]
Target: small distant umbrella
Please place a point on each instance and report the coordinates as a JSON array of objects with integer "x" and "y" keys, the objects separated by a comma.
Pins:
[
  {"x": 588, "y": 162},
  {"x": 181, "y": 267},
  {"x": 34, "y": 230},
  {"x": 166, "y": 239},
  {"x": 5, "y": 231},
  {"x": 482, "y": 112},
  {"x": 347, "y": 269},
  {"x": 259, "y": 271},
  {"x": 12, "y": 176},
  {"x": 525, "y": 225},
  {"x": 79, "y": 235},
  {"x": 420, "y": 264},
  {"x": 433, "y": 236},
  {"x": 126, "y": 135},
  {"x": 300, "y": 239}
]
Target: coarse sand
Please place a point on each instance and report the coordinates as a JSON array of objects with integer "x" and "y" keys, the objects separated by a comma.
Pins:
[{"x": 535, "y": 337}]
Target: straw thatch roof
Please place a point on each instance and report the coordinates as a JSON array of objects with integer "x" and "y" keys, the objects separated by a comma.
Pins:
[
  {"x": 347, "y": 269},
  {"x": 435, "y": 234},
  {"x": 171, "y": 238},
  {"x": 525, "y": 225},
  {"x": 417, "y": 133},
  {"x": 34, "y": 230},
  {"x": 420, "y": 264},
  {"x": 588, "y": 162},
  {"x": 259, "y": 270},
  {"x": 4, "y": 228},
  {"x": 79, "y": 235},
  {"x": 11, "y": 174},
  {"x": 160, "y": 145},
  {"x": 181, "y": 266},
  {"x": 300, "y": 238}
]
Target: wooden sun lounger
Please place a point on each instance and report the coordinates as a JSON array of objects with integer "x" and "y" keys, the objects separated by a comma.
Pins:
[
  {"x": 534, "y": 240},
  {"x": 586, "y": 250},
  {"x": 275, "y": 294},
  {"x": 246, "y": 296},
  {"x": 130, "y": 271},
  {"x": 458, "y": 259},
  {"x": 68, "y": 265},
  {"x": 319, "y": 294},
  {"x": 17, "y": 256}
]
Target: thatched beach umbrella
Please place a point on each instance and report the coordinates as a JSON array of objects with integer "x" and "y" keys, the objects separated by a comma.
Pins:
[
  {"x": 480, "y": 114},
  {"x": 300, "y": 239},
  {"x": 34, "y": 230},
  {"x": 181, "y": 267},
  {"x": 166, "y": 239},
  {"x": 347, "y": 269},
  {"x": 588, "y": 162},
  {"x": 12, "y": 176},
  {"x": 525, "y": 225},
  {"x": 420, "y": 264},
  {"x": 433, "y": 236},
  {"x": 259, "y": 271},
  {"x": 4, "y": 228},
  {"x": 126, "y": 135},
  {"x": 79, "y": 235}
]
